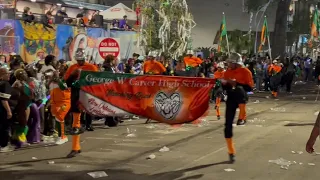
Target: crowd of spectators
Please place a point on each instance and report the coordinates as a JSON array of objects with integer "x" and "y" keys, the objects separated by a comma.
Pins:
[{"x": 82, "y": 19}]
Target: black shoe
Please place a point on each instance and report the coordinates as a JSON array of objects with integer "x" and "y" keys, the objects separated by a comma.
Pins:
[
  {"x": 241, "y": 122},
  {"x": 73, "y": 154},
  {"x": 232, "y": 158},
  {"x": 218, "y": 117},
  {"x": 89, "y": 128},
  {"x": 76, "y": 131}
]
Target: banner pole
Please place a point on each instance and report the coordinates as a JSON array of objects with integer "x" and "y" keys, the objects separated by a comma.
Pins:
[
  {"x": 228, "y": 44},
  {"x": 269, "y": 47}
]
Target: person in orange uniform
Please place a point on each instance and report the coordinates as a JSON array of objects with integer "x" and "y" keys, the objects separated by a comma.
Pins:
[
  {"x": 60, "y": 100},
  {"x": 274, "y": 71},
  {"x": 71, "y": 77},
  {"x": 153, "y": 67},
  {"x": 237, "y": 82},
  {"x": 219, "y": 74},
  {"x": 192, "y": 64},
  {"x": 242, "y": 106}
]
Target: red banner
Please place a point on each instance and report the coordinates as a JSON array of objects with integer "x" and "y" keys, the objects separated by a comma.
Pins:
[{"x": 166, "y": 99}]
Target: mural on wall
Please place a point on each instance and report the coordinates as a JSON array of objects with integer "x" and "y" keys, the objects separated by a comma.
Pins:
[
  {"x": 34, "y": 42},
  {"x": 73, "y": 38},
  {"x": 7, "y": 4},
  {"x": 8, "y": 39}
]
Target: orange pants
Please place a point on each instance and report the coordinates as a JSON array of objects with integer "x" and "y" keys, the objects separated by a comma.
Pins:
[
  {"x": 76, "y": 138},
  {"x": 218, "y": 102},
  {"x": 242, "y": 112},
  {"x": 60, "y": 110},
  {"x": 274, "y": 94},
  {"x": 230, "y": 145}
]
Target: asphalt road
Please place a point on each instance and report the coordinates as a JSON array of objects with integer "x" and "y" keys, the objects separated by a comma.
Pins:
[{"x": 275, "y": 129}]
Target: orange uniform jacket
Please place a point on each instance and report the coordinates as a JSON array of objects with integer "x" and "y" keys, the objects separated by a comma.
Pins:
[
  {"x": 58, "y": 95},
  {"x": 154, "y": 67},
  {"x": 274, "y": 69},
  {"x": 218, "y": 74},
  {"x": 85, "y": 67},
  {"x": 242, "y": 76},
  {"x": 193, "y": 61}
]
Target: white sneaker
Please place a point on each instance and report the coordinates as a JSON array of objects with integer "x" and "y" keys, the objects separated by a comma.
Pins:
[
  {"x": 43, "y": 137},
  {"x": 61, "y": 141},
  {"x": 135, "y": 117},
  {"x": 6, "y": 149}
]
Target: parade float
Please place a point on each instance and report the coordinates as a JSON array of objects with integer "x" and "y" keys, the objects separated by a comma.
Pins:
[{"x": 165, "y": 26}]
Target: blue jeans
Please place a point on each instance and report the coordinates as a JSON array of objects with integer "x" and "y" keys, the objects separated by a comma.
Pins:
[
  {"x": 258, "y": 83},
  {"x": 306, "y": 73}
]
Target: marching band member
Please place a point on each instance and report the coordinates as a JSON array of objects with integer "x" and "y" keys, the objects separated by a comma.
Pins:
[
  {"x": 274, "y": 71},
  {"x": 60, "y": 97},
  {"x": 218, "y": 88},
  {"x": 237, "y": 82},
  {"x": 243, "y": 106},
  {"x": 192, "y": 64},
  {"x": 153, "y": 67},
  {"x": 71, "y": 77}
]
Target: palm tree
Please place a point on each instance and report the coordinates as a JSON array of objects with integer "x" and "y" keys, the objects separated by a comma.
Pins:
[{"x": 239, "y": 41}]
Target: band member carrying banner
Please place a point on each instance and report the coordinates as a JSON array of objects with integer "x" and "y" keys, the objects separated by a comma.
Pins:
[
  {"x": 237, "y": 82},
  {"x": 192, "y": 64},
  {"x": 71, "y": 77},
  {"x": 153, "y": 67}
]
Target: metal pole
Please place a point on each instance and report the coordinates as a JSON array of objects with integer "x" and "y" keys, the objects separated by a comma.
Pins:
[
  {"x": 228, "y": 44},
  {"x": 250, "y": 30},
  {"x": 269, "y": 47},
  {"x": 256, "y": 40}
]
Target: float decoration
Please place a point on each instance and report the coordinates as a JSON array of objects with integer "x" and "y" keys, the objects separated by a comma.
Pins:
[{"x": 166, "y": 26}]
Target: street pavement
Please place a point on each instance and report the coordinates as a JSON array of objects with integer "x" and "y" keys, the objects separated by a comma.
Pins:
[{"x": 276, "y": 128}]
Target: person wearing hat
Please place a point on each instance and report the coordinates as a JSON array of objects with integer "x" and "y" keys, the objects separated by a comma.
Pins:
[
  {"x": 153, "y": 67},
  {"x": 5, "y": 110},
  {"x": 192, "y": 64},
  {"x": 237, "y": 82},
  {"x": 72, "y": 76},
  {"x": 274, "y": 71},
  {"x": 218, "y": 91}
]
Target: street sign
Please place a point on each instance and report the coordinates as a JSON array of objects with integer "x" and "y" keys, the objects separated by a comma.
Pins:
[{"x": 109, "y": 46}]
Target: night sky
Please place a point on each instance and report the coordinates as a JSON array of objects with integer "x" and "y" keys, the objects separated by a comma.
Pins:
[{"x": 208, "y": 15}]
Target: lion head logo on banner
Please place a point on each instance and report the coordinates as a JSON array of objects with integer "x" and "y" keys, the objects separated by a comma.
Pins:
[{"x": 168, "y": 105}]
